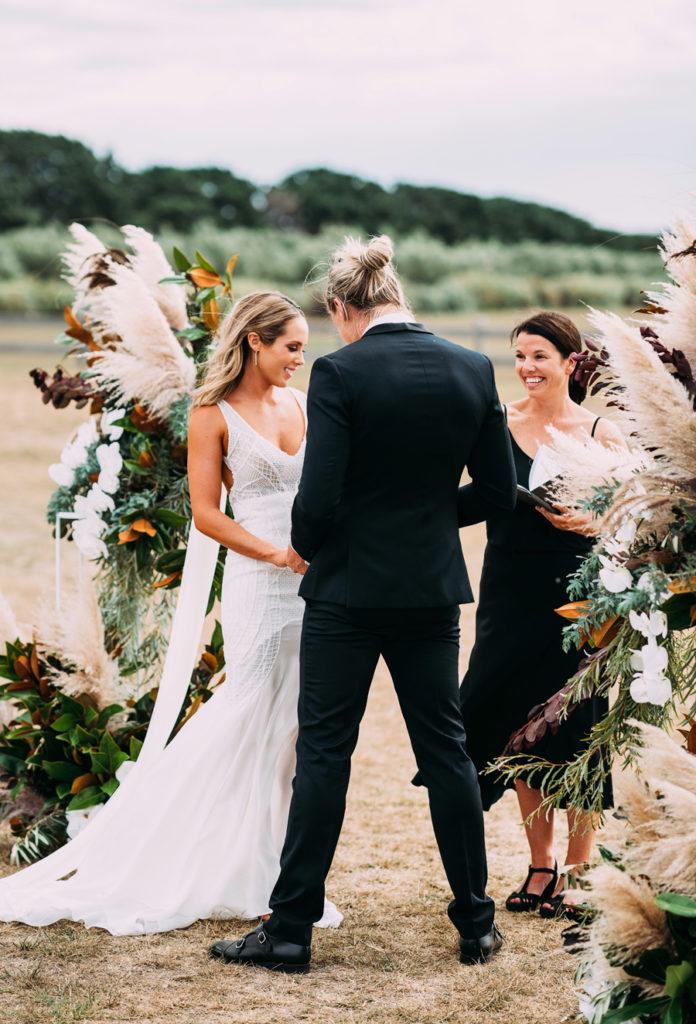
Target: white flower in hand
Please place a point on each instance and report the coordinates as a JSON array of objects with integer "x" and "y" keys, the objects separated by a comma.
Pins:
[
  {"x": 78, "y": 820},
  {"x": 650, "y": 685},
  {"x": 110, "y": 463},
  {"x": 614, "y": 577},
  {"x": 650, "y": 625},
  {"x": 109, "y": 417}
]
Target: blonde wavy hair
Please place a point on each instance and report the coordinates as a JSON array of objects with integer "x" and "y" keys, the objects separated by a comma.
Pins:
[
  {"x": 364, "y": 276},
  {"x": 262, "y": 313}
]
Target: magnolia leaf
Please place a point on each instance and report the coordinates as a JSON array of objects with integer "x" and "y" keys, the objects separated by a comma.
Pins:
[
  {"x": 675, "y": 903},
  {"x": 172, "y": 578},
  {"x": 677, "y": 976},
  {"x": 211, "y": 315},
  {"x": 87, "y": 798},
  {"x": 171, "y": 518},
  {"x": 106, "y": 713},
  {"x": 109, "y": 787},
  {"x": 63, "y": 771},
  {"x": 204, "y": 278},
  {"x": 64, "y": 723},
  {"x": 203, "y": 262},
  {"x": 144, "y": 526},
  {"x": 126, "y": 536},
  {"x": 180, "y": 260},
  {"x": 82, "y": 782},
  {"x": 115, "y": 756}
]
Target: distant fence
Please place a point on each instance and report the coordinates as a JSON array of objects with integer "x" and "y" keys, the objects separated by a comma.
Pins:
[{"x": 32, "y": 336}]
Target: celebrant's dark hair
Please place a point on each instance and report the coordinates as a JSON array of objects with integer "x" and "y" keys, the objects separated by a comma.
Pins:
[{"x": 563, "y": 335}]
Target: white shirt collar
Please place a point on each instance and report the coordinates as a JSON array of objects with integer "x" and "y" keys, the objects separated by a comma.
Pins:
[{"x": 389, "y": 318}]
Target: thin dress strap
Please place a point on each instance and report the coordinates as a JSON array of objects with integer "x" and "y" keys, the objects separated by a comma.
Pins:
[
  {"x": 594, "y": 426},
  {"x": 232, "y": 422}
]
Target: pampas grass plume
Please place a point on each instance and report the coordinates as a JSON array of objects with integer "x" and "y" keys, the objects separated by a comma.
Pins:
[
  {"x": 151, "y": 265},
  {"x": 148, "y": 365}
]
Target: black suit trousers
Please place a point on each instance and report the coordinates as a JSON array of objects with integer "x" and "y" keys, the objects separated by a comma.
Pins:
[{"x": 338, "y": 655}]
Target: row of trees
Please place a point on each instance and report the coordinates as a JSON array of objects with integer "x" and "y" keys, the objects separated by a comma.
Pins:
[{"x": 48, "y": 178}]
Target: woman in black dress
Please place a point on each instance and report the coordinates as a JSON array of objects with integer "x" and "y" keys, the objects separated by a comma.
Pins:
[{"x": 518, "y": 661}]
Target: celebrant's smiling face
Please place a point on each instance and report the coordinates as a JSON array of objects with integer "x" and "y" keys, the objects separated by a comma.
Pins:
[
  {"x": 278, "y": 361},
  {"x": 541, "y": 368}
]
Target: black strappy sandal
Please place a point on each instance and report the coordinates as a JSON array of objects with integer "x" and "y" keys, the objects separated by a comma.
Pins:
[
  {"x": 527, "y": 902},
  {"x": 554, "y": 906}
]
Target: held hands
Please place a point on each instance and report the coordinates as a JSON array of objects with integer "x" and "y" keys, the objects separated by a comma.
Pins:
[
  {"x": 288, "y": 559},
  {"x": 295, "y": 561},
  {"x": 567, "y": 519}
]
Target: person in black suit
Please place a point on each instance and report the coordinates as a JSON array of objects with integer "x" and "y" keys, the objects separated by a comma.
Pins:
[{"x": 394, "y": 417}]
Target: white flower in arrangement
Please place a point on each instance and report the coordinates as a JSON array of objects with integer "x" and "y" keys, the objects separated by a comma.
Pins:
[
  {"x": 649, "y": 624},
  {"x": 73, "y": 455},
  {"x": 626, "y": 533},
  {"x": 650, "y": 685},
  {"x": 614, "y": 547},
  {"x": 110, "y": 464},
  {"x": 614, "y": 577},
  {"x": 94, "y": 502},
  {"x": 87, "y": 534},
  {"x": 108, "y": 419},
  {"x": 77, "y": 820},
  {"x": 61, "y": 474},
  {"x": 655, "y": 586}
]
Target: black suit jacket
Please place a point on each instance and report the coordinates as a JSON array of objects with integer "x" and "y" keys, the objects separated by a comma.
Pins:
[{"x": 393, "y": 419}]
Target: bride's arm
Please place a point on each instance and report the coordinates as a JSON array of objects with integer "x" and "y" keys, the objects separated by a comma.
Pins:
[{"x": 205, "y": 451}]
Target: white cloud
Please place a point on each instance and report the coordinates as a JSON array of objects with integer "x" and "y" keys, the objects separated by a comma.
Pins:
[{"x": 582, "y": 105}]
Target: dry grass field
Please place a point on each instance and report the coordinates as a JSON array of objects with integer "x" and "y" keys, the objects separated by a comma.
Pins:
[{"x": 394, "y": 958}]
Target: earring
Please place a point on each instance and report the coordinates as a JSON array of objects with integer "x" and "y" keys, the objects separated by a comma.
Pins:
[{"x": 256, "y": 357}]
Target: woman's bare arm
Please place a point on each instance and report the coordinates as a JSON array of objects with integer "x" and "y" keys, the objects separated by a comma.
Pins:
[{"x": 206, "y": 437}]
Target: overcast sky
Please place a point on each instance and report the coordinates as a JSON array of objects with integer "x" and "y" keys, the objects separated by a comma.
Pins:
[{"x": 589, "y": 106}]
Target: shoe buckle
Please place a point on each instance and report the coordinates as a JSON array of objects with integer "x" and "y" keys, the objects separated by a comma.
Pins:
[
  {"x": 261, "y": 938},
  {"x": 239, "y": 943}
]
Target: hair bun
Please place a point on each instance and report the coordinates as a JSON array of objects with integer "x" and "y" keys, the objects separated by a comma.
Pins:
[{"x": 377, "y": 253}]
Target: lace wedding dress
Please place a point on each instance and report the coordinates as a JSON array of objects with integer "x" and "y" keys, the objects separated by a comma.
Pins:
[{"x": 196, "y": 828}]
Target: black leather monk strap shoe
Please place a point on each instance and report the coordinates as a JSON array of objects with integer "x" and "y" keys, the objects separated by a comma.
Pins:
[
  {"x": 478, "y": 951},
  {"x": 259, "y": 949}
]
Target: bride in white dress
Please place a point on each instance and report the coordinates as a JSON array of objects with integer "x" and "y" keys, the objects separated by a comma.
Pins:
[{"x": 196, "y": 828}]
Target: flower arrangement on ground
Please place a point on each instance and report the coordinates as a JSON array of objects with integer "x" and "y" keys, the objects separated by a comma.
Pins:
[{"x": 634, "y": 597}]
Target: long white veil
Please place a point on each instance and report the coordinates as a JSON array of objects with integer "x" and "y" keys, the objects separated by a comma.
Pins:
[{"x": 180, "y": 660}]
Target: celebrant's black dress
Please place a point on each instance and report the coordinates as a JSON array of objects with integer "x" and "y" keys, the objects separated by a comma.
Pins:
[{"x": 518, "y": 660}]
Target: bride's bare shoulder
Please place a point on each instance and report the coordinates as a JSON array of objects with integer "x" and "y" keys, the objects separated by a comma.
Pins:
[{"x": 206, "y": 421}]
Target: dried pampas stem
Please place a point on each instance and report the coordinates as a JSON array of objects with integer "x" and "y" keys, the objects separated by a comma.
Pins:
[
  {"x": 148, "y": 365},
  {"x": 658, "y": 406},
  {"x": 76, "y": 636},
  {"x": 151, "y": 265}
]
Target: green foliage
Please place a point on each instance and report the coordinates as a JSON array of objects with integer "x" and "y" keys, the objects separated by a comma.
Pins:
[
  {"x": 38, "y": 838},
  {"x": 438, "y": 277},
  {"x": 48, "y": 178}
]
